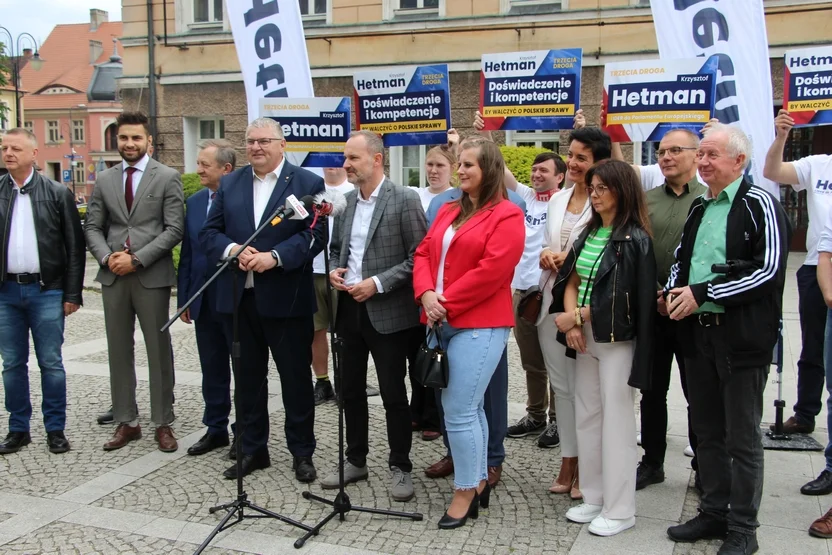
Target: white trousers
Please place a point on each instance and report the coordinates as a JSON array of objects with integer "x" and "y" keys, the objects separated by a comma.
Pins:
[
  {"x": 606, "y": 426},
  {"x": 561, "y": 371}
]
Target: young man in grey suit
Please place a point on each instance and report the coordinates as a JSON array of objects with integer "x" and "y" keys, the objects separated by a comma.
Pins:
[
  {"x": 373, "y": 243},
  {"x": 135, "y": 218}
]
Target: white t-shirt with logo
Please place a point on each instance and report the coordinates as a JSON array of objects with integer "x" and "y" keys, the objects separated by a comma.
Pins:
[
  {"x": 814, "y": 174},
  {"x": 527, "y": 272},
  {"x": 318, "y": 263}
]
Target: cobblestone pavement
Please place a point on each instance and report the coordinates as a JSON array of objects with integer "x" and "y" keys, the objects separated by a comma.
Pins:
[{"x": 138, "y": 500}]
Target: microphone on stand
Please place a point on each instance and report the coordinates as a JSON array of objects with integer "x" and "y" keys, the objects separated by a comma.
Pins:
[{"x": 294, "y": 209}]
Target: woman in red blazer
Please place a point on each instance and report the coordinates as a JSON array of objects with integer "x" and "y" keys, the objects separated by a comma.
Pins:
[{"x": 462, "y": 275}]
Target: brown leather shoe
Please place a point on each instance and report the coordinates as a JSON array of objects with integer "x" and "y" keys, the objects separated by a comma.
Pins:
[
  {"x": 494, "y": 475},
  {"x": 443, "y": 467},
  {"x": 166, "y": 440},
  {"x": 430, "y": 435},
  {"x": 794, "y": 426},
  {"x": 822, "y": 527},
  {"x": 124, "y": 435}
]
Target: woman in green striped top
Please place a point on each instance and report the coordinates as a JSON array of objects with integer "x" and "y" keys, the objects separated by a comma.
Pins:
[{"x": 605, "y": 294}]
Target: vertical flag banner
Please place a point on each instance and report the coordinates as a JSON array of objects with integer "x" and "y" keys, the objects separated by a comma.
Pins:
[
  {"x": 735, "y": 32},
  {"x": 316, "y": 129},
  {"x": 409, "y": 105},
  {"x": 530, "y": 90},
  {"x": 807, "y": 87},
  {"x": 644, "y": 100},
  {"x": 271, "y": 49}
]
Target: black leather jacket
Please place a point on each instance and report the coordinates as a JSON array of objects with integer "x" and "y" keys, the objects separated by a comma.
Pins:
[
  {"x": 623, "y": 299},
  {"x": 60, "y": 239}
]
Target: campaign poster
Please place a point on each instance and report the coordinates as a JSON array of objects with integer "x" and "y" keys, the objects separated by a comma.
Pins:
[
  {"x": 408, "y": 105},
  {"x": 530, "y": 90},
  {"x": 807, "y": 87},
  {"x": 643, "y": 100},
  {"x": 315, "y": 129}
]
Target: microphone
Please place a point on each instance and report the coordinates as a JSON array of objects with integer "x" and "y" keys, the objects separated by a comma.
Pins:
[
  {"x": 329, "y": 203},
  {"x": 294, "y": 209}
]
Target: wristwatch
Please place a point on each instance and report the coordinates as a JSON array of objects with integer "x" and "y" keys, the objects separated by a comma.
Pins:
[{"x": 135, "y": 260}]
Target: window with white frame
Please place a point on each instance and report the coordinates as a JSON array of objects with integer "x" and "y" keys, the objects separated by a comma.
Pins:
[
  {"x": 29, "y": 126},
  {"x": 531, "y": 7},
  {"x": 5, "y": 116},
  {"x": 545, "y": 138},
  {"x": 78, "y": 131},
  {"x": 53, "y": 133},
  {"x": 313, "y": 9},
  {"x": 418, "y": 5},
  {"x": 78, "y": 172},
  {"x": 207, "y": 11},
  {"x": 407, "y": 165},
  {"x": 213, "y": 128}
]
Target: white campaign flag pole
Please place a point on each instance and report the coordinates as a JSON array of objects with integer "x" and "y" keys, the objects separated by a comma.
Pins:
[
  {"x": 271, "y": 48},
  {"x": 736, "y": 33}
]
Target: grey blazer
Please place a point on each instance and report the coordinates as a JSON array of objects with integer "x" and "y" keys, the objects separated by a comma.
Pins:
[
  {"x": 396, "y": 229},
  {"x": 155, "y": 223}
]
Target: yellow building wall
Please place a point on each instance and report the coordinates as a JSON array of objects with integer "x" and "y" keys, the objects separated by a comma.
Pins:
[{"x": 11, "y": 115}]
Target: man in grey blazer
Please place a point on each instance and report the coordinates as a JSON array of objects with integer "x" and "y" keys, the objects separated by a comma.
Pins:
[
  {"x": 135, "y": 218},
  {"x": 373, "y": 243}
]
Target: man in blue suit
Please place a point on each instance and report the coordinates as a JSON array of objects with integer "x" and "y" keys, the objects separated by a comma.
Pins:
[
  {"x": 275, "y": 294},
  {"x": 216, "y": 159}
]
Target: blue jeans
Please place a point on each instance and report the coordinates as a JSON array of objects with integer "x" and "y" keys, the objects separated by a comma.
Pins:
[
  {"x": 473, "y": 355},
  {"x": 496, "y": 413},
  {"x": 25, "y": 307},
  {"x": 827, "y": 356}
]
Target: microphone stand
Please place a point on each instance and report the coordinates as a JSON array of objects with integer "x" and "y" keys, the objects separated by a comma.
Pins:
[
  {"x": 341, "y": 504},
  {"x": 235, "y": 508}
]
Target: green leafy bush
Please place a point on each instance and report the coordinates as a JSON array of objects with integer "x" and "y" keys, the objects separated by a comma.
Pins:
[
  {"x": 519, "y": 160},
  {"x": 190, "y": 184}
]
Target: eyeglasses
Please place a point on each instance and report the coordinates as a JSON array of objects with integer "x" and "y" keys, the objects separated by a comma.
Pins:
[
  {"x": 673, "y": 151},
  {"x": 264, "y": 143},
  {"x": 599, "y": 190}
]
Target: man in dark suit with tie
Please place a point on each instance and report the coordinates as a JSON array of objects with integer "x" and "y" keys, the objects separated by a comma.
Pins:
[
  {"x": 216, "y": 159},
  {"x": 135, "y": 218},
  {"x": 275, "y": 294},
  {"x": 372, "y": 248}
]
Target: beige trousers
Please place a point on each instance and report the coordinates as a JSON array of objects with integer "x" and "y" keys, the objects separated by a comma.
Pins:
[
  {"x": 561, "y": 372},
  {"x": 606, "y": 426}
]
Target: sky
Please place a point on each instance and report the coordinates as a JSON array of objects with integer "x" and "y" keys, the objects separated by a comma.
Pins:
[{"x": 38, "y": 17}]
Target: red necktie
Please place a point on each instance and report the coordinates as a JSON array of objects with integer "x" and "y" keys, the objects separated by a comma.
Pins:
[{"x": 128, "y": 188}]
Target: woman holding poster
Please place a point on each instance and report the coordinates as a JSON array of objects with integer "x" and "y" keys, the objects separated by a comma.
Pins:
[
  {"x": 568, "y": 213},
  {"x": 462, "y": 274},
  {"x": 605, "y": 295}
]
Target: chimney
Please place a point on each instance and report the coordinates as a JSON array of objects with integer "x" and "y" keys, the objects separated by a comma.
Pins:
[
  {"x": 27, "y": 53},
  {"x": 96, "y": 49},
  {"x": 97, "y": 17}
]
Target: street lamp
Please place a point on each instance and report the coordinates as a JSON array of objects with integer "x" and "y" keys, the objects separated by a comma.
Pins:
[
  {"x": 14, "y": 56},
  {"x": 72, "y": 154}
]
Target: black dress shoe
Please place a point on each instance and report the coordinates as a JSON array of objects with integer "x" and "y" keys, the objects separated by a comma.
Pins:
[
  {"x": 57, "y": 442},
  {"x": 232, "y": 451},
  {"x": 701, "y": 527},
  {"x": 208, "y": 443},
  {"x": 304, "y": 469},
  {"x": 447, "y": 522},
  {"x": 821, "y": 485},
  {"x": 14, "y": 441},
  {"x": 738, "y": 543},
  {"x": 647, "y": 474},
  {"x": 249, "y": 464},
  {"x": 106, "y": 417}
]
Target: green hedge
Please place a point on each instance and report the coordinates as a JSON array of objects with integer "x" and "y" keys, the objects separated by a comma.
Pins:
[
  {"x": 519, "y": 160},
  {"x": 190, "y": 184}
]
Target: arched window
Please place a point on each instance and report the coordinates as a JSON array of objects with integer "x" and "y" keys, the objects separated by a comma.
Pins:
[{"x": 111, "y": 137}]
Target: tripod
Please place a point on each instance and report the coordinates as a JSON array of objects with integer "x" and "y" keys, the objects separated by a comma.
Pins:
[
  {"x": 341, "y": 504},
  {"x": 235, "y": 508}
]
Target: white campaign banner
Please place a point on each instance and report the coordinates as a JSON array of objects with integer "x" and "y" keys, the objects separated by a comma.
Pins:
[
  {"x": 271, "y": 49},
  {"x": 735, "y": 32}
]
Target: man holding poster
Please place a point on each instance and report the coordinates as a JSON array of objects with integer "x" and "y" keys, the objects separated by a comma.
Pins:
[{"x": 814, "y": 175}]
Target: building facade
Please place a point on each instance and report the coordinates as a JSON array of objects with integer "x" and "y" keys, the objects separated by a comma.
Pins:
[
  {"x": 71, "y": 104},
  {"x": 200, "y": 93}
]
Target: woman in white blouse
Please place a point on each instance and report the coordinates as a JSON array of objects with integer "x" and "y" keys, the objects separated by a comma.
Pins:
[{"x": 569, "y": 212}]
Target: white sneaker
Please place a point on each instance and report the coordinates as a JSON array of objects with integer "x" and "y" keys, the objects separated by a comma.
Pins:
[
  {"x": 601, "y": 526},
  {"x": 584, "y": 513},
  {"x": 688, "y": 451},
  {"x": 638, "y": 439}
]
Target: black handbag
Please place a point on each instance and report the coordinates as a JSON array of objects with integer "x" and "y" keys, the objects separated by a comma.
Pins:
[{"x": 431, "y": 365}]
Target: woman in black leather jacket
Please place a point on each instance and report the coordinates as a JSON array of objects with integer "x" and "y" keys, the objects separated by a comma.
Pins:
[{"x": 605, "y": 295}]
